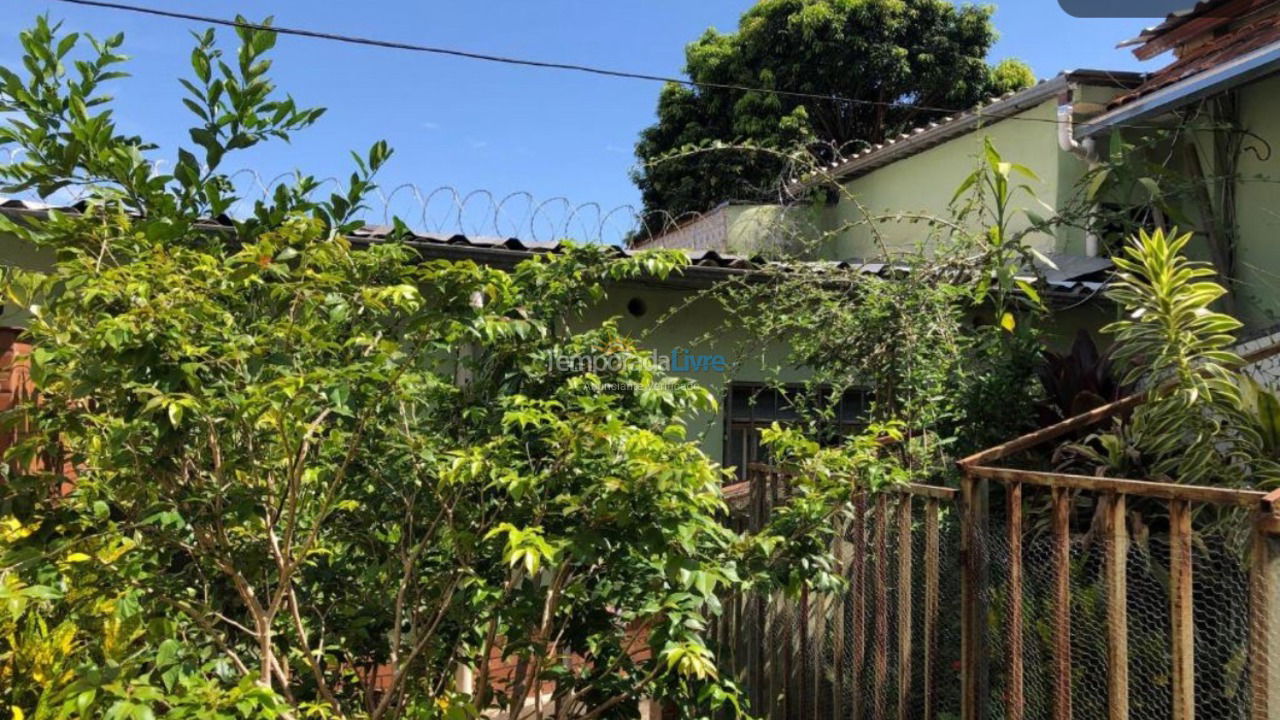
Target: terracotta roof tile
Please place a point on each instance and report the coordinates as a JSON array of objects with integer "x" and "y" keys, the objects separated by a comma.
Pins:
[
  {"x": 1196, "y": 59},
  {"x": 1174, "y": 20}
]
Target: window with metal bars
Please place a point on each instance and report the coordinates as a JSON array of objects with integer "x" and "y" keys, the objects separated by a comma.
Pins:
[{"x": 751, "y": 407}]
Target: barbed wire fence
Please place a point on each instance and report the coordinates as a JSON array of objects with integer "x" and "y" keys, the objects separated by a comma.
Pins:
[{"x": 448, "y": 210}]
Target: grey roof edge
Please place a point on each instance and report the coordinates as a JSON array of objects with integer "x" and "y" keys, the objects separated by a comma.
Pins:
[
  {"x": 1239, "y": 71},
  {"x": 923, "y": 138},
  {"x": 705, "y": 269}
]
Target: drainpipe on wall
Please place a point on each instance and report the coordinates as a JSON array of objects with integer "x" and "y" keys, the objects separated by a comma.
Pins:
[{"x": 1084, "y": 150}]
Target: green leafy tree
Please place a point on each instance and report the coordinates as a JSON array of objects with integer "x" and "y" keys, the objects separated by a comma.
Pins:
[
  {"x": 872, "y": 53},
  {"x": 273, "y": 473}
]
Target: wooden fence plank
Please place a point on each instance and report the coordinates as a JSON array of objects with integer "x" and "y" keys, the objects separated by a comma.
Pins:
[
  {"x": 931, "y": 599},
  {"x": 1015, "y": 702},
  {"x": 1117, "y": 550},
  {"x": 819, "y": 605},
  {"x": 759, "y": 633},
  {"x": 777, "y": 638},
  {"x": 1181, "y": 611},
  {"x": 904, "y": 607},
  {"x": 741, "y": 632},
  {"x": 758, "y": 609},
  {"x": 839, "y": 616},
  {"x": 1062, "y": 603},
  {"x": 802, "y": 645},
  {"x": 858, "y": 629}
]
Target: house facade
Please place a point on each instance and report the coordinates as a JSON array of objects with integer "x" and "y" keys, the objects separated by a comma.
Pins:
[
  {"x": 1216, "y": 99},
  {"x": 1197, "y": 134},
  {"x": 1057, "y": 128}
]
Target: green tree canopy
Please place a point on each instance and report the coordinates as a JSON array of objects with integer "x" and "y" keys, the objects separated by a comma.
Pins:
[
  {"x": 275, "y": 472},
  {"x": 925, "y": 53}
]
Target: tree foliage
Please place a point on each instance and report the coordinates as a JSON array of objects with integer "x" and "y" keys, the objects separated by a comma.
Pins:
[
  {"x": 1172, "y": 342},
  {"x": 942, "y": 337},
  {"x": 928, "y": 56},
  {"x": 273, "y": 472},
  {"x": 1193, "y": 426}
]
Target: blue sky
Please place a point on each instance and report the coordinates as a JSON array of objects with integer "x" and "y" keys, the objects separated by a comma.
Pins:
[{"x": 483, "y": 127}]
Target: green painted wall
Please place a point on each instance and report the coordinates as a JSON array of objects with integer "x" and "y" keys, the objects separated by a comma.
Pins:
[
  {"x": 772, "y": 229},
  {"x": 1257, "y": 272},
  {"x": 676, "y": 318},
  {"x": 926, "y": 183},
  {"x": 18, "y": 253},
  {"x": 1258, "y": 206}
]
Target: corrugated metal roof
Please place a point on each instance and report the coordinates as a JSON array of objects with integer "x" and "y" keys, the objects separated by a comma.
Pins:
[
  {"x": 515, "y": 248},
  {"x": 1073, "y": 276}
]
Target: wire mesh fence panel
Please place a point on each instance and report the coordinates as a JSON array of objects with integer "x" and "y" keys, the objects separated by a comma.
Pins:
[
  {"x": 1149, "y": 643},
  {"x": 1103, "y": 606},
  {"x": 1018, "y": 602},
  {"x": 885, "y": 646},
  {"x": 1048, "y": 619},
  {"x": 1220, "y": 592}
]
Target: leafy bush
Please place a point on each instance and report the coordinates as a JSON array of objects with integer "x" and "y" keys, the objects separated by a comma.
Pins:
[
  {"x": 276, "y": 473},
  {"x": 1077, "y": 381},
  {"x": 1192, "y": 427}
]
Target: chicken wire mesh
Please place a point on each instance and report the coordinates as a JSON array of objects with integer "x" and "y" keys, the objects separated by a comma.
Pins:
[
  {"x": 1219, "y": 614},
  {"x": 886, "y": 647},
  {"x": 889, "y": 646}
]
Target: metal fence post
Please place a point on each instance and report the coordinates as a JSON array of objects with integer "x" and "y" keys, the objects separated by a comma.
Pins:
[
  {"x": 1117, "y": 606},
  {"x": 1181, "y": 611},
  {"x": 1062, "y": 603},
  {"x": 858, "y": 634},
  {"x": 904, "y": 607},
  {"x": 1264, "y": 603},
  {"x": 973, "y": 594},
  {"x": 1015, "y": 703},
  {"x": 880, "y": 646},
  {"x": 931, "y": 575}
]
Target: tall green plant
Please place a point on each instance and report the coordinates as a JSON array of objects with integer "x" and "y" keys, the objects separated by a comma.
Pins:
[
  {"x": 906, "y": 335},
  {"x": 1178, "y": 347}
]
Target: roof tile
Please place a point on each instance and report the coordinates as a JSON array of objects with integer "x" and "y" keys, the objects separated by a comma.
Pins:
[
  {"x": 1074, "y": 276},
  {"x": 1196, "y": 59}
]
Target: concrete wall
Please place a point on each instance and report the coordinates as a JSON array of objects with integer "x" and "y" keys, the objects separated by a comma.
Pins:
[
  {"x": 747, "y": 231},
  {"x": 1258, "y": 206},
  {"x": 926, "y": 183},
  {"x": 684, "y": 319}
]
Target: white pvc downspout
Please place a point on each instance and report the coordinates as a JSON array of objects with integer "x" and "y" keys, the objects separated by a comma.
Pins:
[{"x": 1085, "y": 150}]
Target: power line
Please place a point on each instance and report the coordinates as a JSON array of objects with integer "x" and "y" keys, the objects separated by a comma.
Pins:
[{"x": 545, "y": 64}]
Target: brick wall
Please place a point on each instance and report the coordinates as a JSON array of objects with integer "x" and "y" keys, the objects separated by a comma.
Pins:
[{"x": 15, "y": 381}]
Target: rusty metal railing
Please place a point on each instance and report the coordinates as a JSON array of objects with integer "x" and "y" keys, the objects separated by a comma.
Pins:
[
  {"x": 1257, "y": 610},
  {"x": 886, "y": 648},
  {"x": 1112, "y": 500},
  {"x": 974, "y": 603}
]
